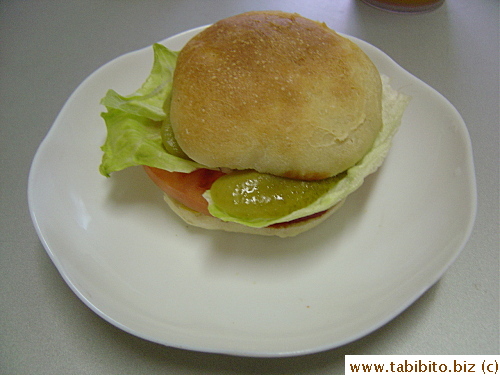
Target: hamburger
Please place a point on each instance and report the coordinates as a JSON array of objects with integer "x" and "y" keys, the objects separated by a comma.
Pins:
[{"x": 263, "y": 123}]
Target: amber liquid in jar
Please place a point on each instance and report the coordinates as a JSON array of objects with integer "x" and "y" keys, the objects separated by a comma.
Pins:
[{"x": 406, "y": 5}]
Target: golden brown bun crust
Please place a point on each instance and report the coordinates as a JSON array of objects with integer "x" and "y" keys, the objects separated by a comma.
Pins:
[
  {"x": 277, "y": 93},
  {"x": 209, "y": 222}
]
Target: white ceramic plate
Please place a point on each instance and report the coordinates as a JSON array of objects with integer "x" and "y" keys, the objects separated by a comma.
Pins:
[{"x": 139, "y": 267}]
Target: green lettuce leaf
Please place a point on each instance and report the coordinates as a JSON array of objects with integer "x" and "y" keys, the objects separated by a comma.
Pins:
[
  {"x": 133, "y": 122},
  {"x": 393, "y": 106},
  {"x": 149, "y": 100},
  {"x": 135, "y": 140}
]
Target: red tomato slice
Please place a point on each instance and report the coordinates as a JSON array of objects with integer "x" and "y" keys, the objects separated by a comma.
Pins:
[{"x": 187, "y": 188}]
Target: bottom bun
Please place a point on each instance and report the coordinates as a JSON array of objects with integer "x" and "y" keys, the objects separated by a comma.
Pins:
[{"x": 209, "y": 222}]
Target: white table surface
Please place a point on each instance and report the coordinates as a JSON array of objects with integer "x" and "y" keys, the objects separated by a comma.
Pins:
[{"x": 47, "y": 47}]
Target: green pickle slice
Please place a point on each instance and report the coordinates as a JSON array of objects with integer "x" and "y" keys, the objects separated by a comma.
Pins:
[
  {"x": 169, "y": 141},
  {"x": 249, "y": 195}
]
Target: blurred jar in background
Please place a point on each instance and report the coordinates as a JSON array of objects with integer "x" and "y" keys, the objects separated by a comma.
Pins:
[{"x": 406, "y": 5}]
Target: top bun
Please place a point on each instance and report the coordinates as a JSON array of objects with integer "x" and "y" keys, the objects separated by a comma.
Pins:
[{"x": 277, "y": 93}]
